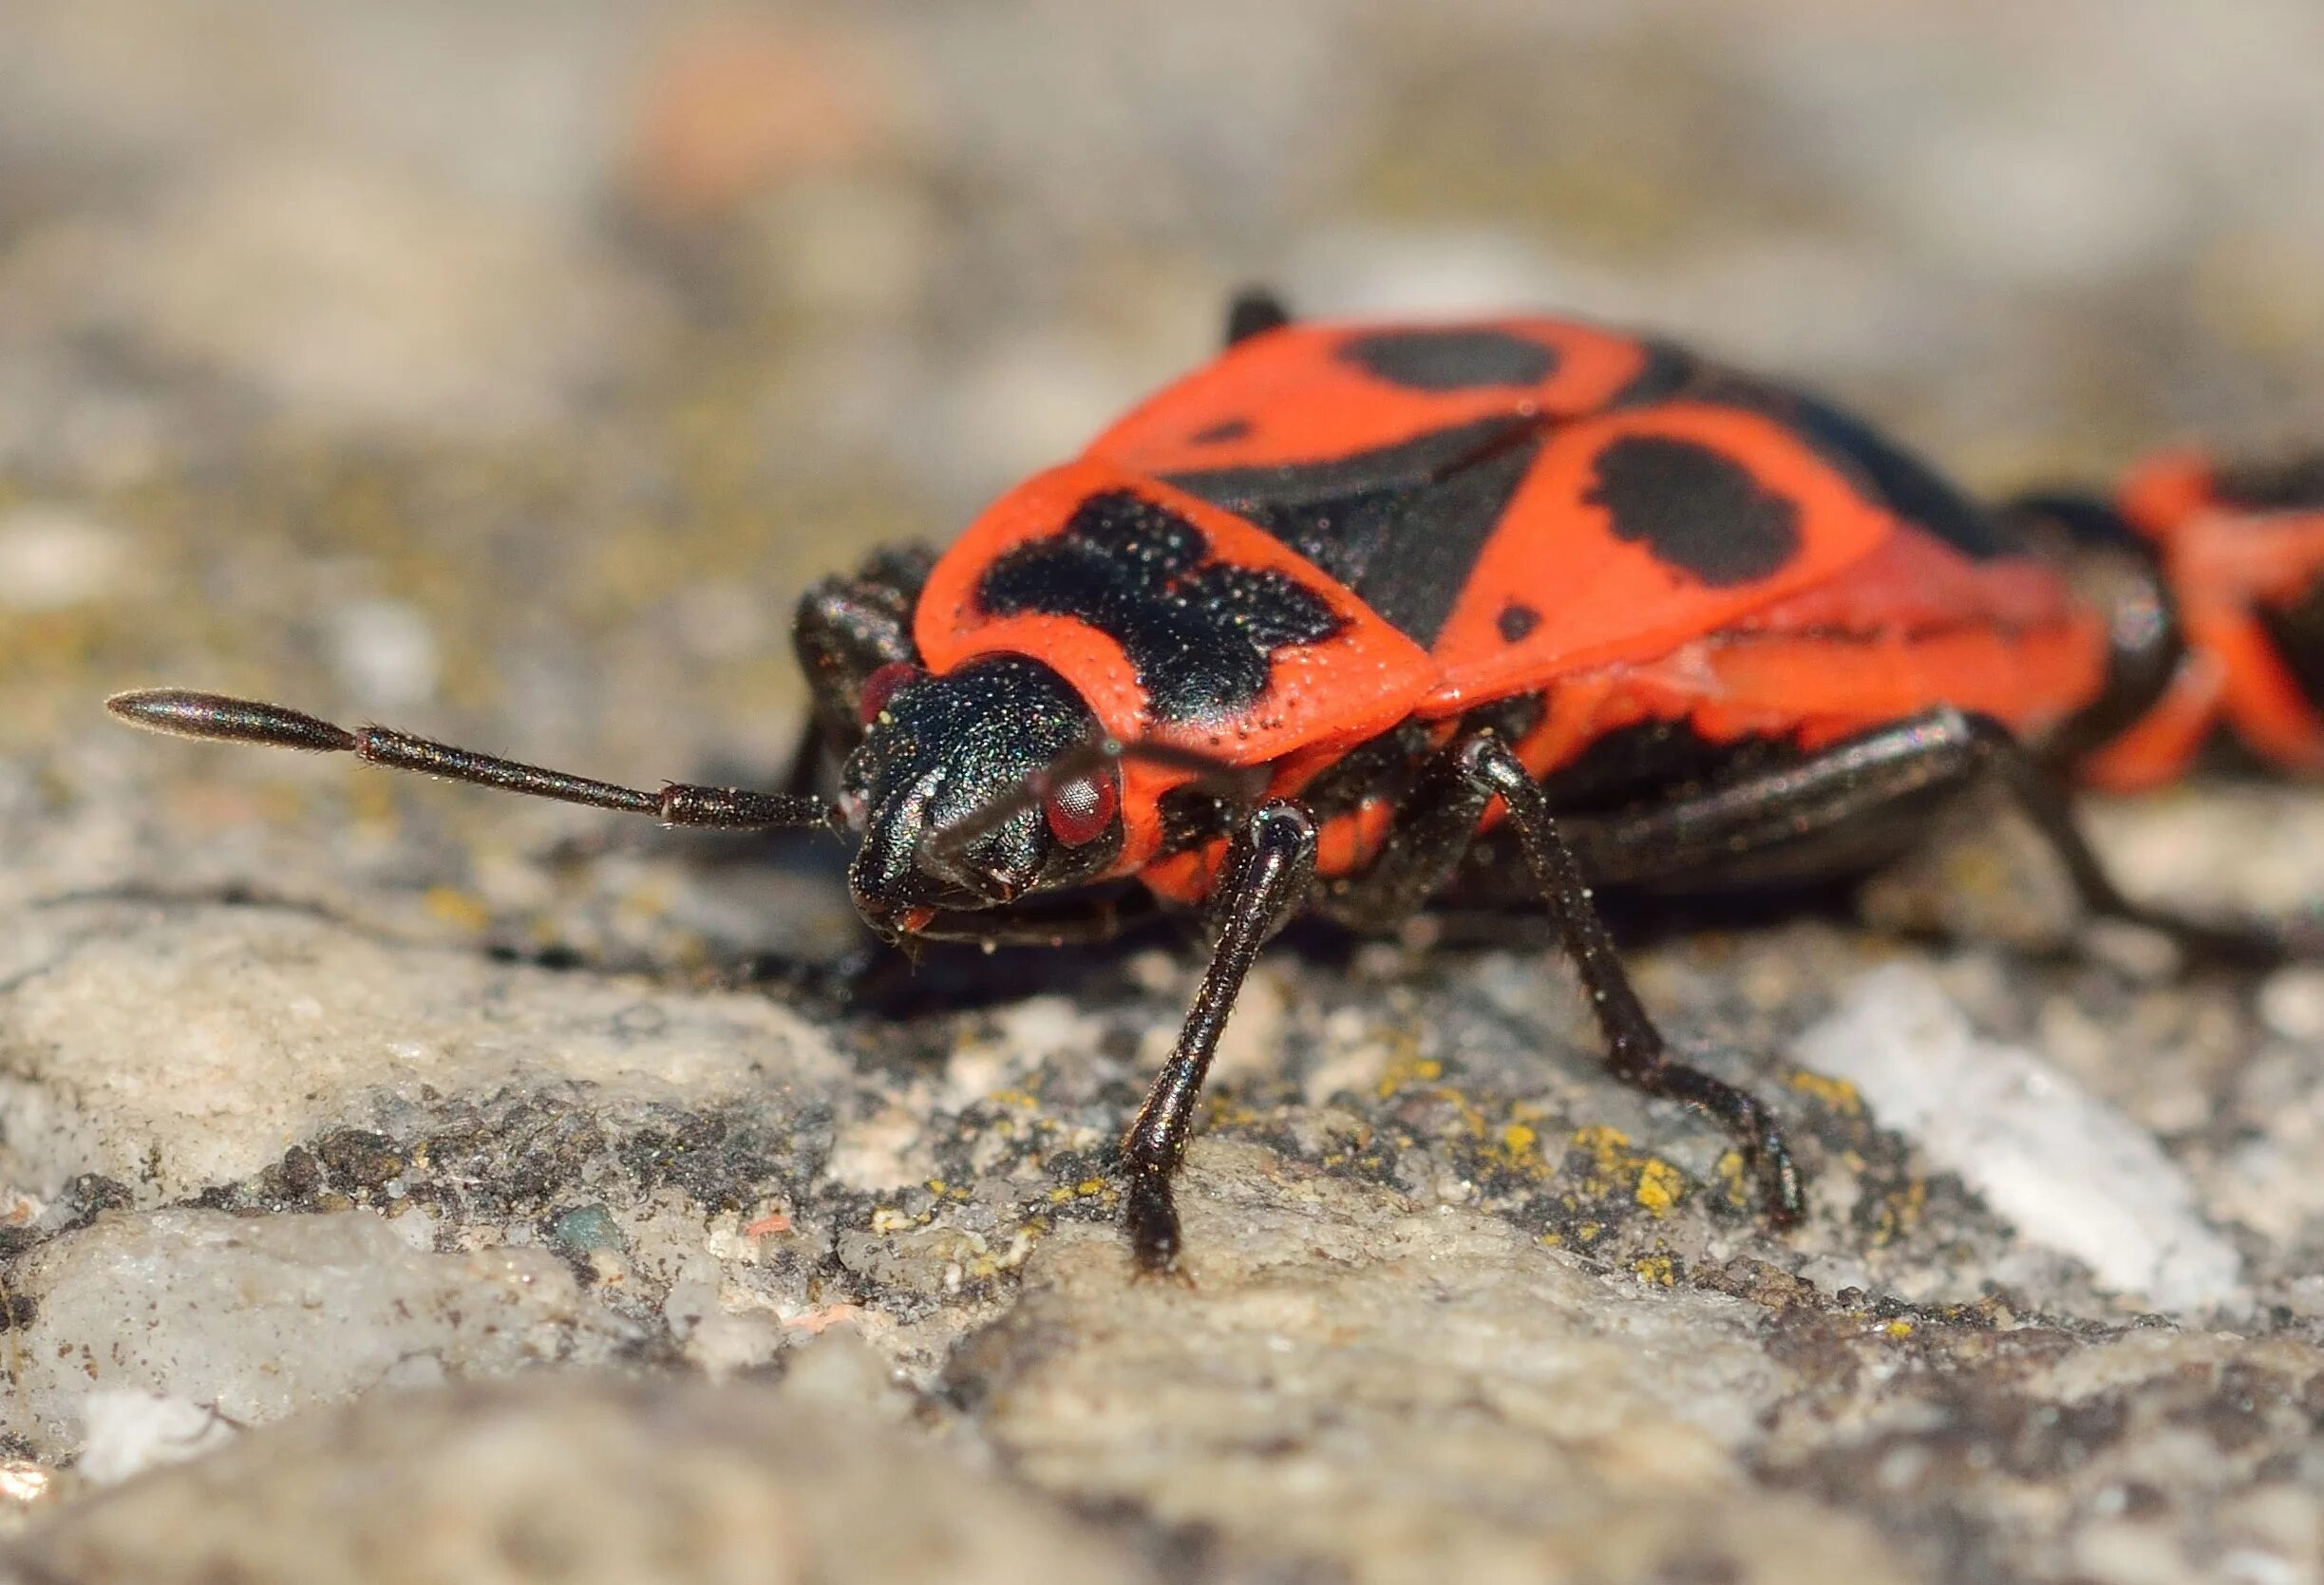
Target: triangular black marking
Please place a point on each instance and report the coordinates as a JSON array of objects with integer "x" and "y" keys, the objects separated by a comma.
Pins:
[{"x": 1401, "y": 526}]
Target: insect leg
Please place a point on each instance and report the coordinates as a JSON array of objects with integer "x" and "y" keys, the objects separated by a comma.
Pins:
[
  {"x": 1635, "y": 1049},
  {"x": 848, "y": 627},
  {"x": 1434, "y": 830},
  {"x": 1933, "y": 755},
  {"x": 221, "y": 719},
  {"x": 1268, "y": 873}
]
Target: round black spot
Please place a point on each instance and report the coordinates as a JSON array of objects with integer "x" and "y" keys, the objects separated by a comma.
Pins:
[
  {"x": 1516, "y": 621},
  {"x": 1225, "y": 430},
  {"x": 1701, "y": 513},
  {"x": 1450, "y": 360}
]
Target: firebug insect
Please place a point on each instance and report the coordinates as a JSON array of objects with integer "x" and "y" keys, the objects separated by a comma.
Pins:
[{"x": 1364, "y": 616}]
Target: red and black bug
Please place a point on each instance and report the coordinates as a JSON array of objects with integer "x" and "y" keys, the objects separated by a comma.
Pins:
[
  {"x": 1366, "y": 617},
  {"x": 2243, "y": 549}
]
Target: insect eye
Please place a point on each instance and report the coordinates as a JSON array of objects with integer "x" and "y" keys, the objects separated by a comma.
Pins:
[
  {"x": 884, "y": 685},
  {"x": 1079, "y": 812}
]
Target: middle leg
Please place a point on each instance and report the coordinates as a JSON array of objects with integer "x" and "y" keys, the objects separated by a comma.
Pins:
[{"x": 1436, "y": 830}]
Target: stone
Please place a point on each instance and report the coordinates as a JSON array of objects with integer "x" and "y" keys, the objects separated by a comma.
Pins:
[
  {"x": 154, "y": 1326},
  {"x": 2068, "y": 1170},
  {"x": 395, "y": 1178},
  {"x": 1408, "y": 1390},
  {"x": 581, "y": 1480}
]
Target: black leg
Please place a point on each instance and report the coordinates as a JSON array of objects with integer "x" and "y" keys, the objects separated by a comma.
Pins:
[
  {"x": 848, "y": 627},
  {"x": 220, "y": 719},
  {"x": 1267, "y": 876},
  {"x": 1861, "y": 783},
  {"x": 1435, "y": 828},
  {"x": 1635, "y": 1050}
]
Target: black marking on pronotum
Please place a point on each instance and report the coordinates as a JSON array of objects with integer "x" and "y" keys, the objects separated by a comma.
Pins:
[
  {"x": 1516, "y": 621},
  {"x": 1202, "y": 637},
  {"x": 1699, "y": 513},
  {"x": 1225, "y": 430},
  {"x": 1450, "y": 360},
  {"x": 1401, "y": 526}
]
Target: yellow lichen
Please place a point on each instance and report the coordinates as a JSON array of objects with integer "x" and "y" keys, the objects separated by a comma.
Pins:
[
  {"x": 1660, "y": 1186},
  {"x": 1838, "y": 1094},
  {"x": 1731, "y": 1174},
  {"x": 1406, "y": 1071}
]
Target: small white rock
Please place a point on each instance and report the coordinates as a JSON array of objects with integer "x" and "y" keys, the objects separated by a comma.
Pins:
[
  {"x": 126, "y": 1432},
  {"x": 2073, "y": 1173}
]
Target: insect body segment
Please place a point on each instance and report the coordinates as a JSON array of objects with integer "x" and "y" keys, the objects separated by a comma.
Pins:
[
  {"x": 1357, "y": 605},
  {"x": 2243, "y": 552}
]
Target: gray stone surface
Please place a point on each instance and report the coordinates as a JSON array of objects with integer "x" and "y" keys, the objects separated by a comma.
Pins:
[
  {"x": 582, "y": 1483},
  {"x": 398, "y": 1182}
]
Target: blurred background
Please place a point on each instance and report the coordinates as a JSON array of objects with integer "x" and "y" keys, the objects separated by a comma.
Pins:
[{"x": 504, "y": 371}]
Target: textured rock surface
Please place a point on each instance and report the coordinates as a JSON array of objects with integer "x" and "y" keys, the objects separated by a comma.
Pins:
[
  {"x": 579, "y": 1482},
  {"x": 385, "y": 1169}
]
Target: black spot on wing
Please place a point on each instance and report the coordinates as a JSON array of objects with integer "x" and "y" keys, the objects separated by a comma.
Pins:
[
  {"x": 1889, "y": 476},
  {"x": 1225, "y": 430},
  {"x": 1516, "y": 622},
  {"x": 1700, "y": 513},
  {"x": 1201, "y": 639},
  {"x": 1401, "y": 526},
  {"x": 1445, "y": 360}
]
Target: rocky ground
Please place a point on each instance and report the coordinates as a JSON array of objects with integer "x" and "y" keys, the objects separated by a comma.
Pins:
[{"x": 402, "y": 1184}]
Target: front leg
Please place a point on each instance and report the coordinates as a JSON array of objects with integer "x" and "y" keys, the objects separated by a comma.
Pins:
[
  {"x": 1267, "y": 875},
  {"x": 848, "y": 627}
]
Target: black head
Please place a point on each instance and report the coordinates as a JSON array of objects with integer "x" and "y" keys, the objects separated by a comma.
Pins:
[{"x": 941, "y": 757}]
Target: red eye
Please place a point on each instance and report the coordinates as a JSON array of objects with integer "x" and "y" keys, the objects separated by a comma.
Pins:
[
  {"x": 884, "y": 683},
  {"x": 1080, "y": 811}
]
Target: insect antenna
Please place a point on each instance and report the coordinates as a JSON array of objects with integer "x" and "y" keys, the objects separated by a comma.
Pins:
[{"x": 220, "y": 719}]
